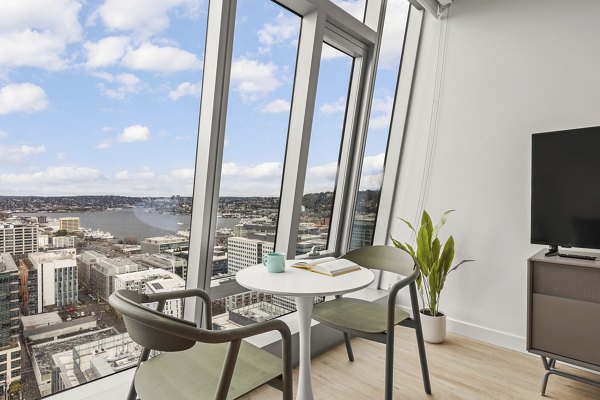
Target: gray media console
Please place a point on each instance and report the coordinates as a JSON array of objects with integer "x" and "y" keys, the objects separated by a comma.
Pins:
[{"x": 563, "y": 314}]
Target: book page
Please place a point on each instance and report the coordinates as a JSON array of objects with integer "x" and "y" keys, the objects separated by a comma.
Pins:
[
  {"x": 312, "y": 262},
  {"x": 337, "y": 265}
]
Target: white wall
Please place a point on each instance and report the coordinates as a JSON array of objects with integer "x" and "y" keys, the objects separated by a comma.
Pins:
[{"x": 503, "y": 70}]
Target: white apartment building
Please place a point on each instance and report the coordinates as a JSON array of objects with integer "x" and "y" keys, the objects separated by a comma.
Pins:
[
  {"x": 69, "y": 224},
  {"x": 154, "y": 281},
  {"x": 57, "y": 279},
  {"x": 18, "y": 238},
  {"x": 243, "y": 252}
]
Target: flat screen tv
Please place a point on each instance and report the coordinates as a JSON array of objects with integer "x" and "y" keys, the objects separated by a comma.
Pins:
[{"x": 565, "y": 189}]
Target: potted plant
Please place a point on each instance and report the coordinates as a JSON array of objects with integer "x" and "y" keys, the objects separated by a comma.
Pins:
[{"x": 434, "y": 261}]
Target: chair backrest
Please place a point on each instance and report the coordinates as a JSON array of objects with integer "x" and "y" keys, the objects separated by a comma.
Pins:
[
  {"x": 384, "y": 258},
  {"x": 150, "y": 328}
]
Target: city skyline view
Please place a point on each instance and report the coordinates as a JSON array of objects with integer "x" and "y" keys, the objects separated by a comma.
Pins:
[{"x": 96, "y": 100}]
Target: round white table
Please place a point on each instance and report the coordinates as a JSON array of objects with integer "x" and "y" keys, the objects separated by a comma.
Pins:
[{"x": 304, "y": 286}]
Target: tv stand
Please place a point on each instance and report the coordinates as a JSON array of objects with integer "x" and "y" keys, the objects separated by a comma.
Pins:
[
  {"x": 552, "y": 251},
  {"x": 563, "y": 314}
]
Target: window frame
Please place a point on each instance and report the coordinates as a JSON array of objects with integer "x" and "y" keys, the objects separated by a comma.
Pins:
[{"x": 322, "y": 22}]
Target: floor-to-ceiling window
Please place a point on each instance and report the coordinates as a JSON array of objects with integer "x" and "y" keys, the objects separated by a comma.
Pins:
[{"x": 99, "y": 104}]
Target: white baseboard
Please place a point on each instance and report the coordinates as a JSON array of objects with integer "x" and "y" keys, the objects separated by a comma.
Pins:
[{"x": 487, "y": 335}]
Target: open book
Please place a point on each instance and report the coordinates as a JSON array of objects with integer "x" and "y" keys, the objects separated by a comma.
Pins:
[{"x": 328, "y": 266}]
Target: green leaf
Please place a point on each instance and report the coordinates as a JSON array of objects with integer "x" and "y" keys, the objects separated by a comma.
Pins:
[
  {"x": 459, "y": 264},
  {"x": 435, "y": 249},
  {"x": 412, "y": 228},
  {"x": 426, "y": 222},
  {"x": 442, "y": 222},
  {"x": 423, "y": 246}
]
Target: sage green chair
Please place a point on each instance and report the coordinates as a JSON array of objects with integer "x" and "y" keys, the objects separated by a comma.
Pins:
[
  {"x": 376, "y": 321},
  {"x": 197, "y": 363}
]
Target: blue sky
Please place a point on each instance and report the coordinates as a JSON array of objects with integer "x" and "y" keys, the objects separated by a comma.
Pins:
[{"x": 102, "y": 97}]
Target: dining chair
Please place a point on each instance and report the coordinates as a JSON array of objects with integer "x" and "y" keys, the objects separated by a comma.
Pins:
[
  {"x": 375, "y": 321},
  {"x": 198, "y": 363}
]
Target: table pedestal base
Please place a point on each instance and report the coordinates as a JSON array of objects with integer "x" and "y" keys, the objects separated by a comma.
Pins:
[{"x": 305, "y": 309}]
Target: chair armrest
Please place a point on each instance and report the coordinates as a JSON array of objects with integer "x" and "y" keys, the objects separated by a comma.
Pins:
[
  {"x": 181, "y": 294},
  {"x": 400, "y": 285}
]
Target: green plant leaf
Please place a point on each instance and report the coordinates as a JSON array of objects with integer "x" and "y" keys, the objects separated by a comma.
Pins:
[
  {"x": 435, "y": 249},
  {"x": 412, "y": 228},
  {"x": 426, "y": 222},
  {"x": 442, "y": 222},
  {"x": 423, "y": 248},
  {"x": 459, "y": 264}
]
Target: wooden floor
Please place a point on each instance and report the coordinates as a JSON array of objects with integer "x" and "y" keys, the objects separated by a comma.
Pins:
[{"x": 461, "y": 368}]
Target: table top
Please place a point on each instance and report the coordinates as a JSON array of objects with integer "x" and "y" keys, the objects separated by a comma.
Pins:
[{"x": 299, "y": 282}]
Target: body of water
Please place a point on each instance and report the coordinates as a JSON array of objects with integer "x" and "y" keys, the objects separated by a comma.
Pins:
[{"x": 134, "y": 222}]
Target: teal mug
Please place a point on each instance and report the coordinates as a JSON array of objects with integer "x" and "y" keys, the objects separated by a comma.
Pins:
[{"x": 275, "y": 262}]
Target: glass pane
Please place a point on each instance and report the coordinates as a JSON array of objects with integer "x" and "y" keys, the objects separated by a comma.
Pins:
[
  {"x": 356, "y": 8},
  {"x": 379, "y": 124},
  {"x": 262, "y": 77},
  {"x": 99, "y": 110},
  {"x": 324, "y": 151}
]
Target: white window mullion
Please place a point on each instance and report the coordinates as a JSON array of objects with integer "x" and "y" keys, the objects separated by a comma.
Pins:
[
  {"x": 373, "y": 18},
  {"x": 398, "y": 123},
  {"x": 209, "y": 154},
  {"x": 301, "y": 118}
]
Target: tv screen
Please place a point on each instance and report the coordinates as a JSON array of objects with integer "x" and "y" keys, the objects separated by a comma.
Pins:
[{"x": 565, "y": 188}]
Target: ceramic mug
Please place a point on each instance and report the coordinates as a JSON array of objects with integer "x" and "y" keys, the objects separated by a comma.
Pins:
[{"x": 275, "y": 262}]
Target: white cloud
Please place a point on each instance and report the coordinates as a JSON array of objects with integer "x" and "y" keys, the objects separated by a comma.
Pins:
[
  {"x": 283, "y": 29},
  {"x": 142, "y": 17},
  {"x": 183, "y": 173},
  {"x": 35, "y": 33},
  {"x": 267, "y": 169},
  {"x": 17, "y": 153},
  {"x": 3, "y": 134},
  {"x": 336, "y": 107},
  {"x": 373, "y": 164},
  {"x": 124, "y": 84},
  {"x": 22, "y": 97},
  {"x": 51, "y": 176},
  {"x": 381, "y": 112},
  {"x": 330, "y": 53},
  {"x": 134, "y": 133},
  {"x": 185, "y": 89},
  {"x": 106, "y": 52},
  {"x": 253, "y": 79},
  {"x": 144, "y": 174},
  {"x": 393, "y": 32},
  {"x": 356, "y": 8},
  {"x": 276, "y": 106},
  {"x": 149, "y": 57},
  {"x": 103, "y": 145}
]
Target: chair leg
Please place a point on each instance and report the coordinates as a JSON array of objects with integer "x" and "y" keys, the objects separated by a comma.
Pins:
[
  {"x": 389, "y": 365},
  {"x": 419, "y": 334},
  {"x": 348, "y": 347}
]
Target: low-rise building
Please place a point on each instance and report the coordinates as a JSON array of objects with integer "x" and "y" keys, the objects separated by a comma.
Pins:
[{"x": 161, "y": 244}]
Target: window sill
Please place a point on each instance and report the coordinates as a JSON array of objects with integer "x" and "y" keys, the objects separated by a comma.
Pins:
[{"x": 117, "y": 386}]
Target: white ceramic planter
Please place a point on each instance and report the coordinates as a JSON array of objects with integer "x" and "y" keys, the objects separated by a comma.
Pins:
[{"x": 434, "y": 328}]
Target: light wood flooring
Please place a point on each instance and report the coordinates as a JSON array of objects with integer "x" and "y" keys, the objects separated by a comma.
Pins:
[{"x": 461, "y": 368}]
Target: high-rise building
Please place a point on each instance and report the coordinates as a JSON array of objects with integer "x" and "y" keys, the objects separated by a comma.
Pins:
[
  {"x": 362, "y": 231},
  {"x": 18, "y": 238},
  {"x": 57, "y": 279},
  {"x": 10, "y": 349},
  {"x": 69, "y": 224}
]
